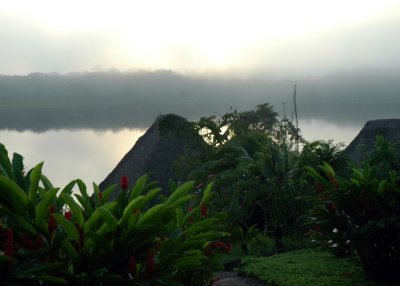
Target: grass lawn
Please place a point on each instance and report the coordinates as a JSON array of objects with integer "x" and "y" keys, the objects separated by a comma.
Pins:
[{"x": 305, "y": 267}]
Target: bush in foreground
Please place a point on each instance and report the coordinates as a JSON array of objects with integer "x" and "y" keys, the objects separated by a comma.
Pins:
[
  {"x": 51, "y": 236},
  {"x": 362, "y": 212}
]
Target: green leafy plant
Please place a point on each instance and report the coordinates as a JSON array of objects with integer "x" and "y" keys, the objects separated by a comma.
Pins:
[
  {"x": 67, "y": 236},
  {"x": 361, "y": 213}
]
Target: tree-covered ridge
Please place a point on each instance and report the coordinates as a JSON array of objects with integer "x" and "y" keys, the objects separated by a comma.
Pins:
[{"x": 115, "y": 100}]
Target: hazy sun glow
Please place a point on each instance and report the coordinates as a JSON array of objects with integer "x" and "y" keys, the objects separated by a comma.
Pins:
[{"x": 182, "y": 34}]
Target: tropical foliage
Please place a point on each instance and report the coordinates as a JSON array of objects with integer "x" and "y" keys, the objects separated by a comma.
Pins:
[
  {"x": 66, "y": 236},
  {"x": 362, "y": 212}
]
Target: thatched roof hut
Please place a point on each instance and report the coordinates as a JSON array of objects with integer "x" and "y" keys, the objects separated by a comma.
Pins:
[
  {"x": 154, "y": 153},
  {"x": 364, "y": 142}
]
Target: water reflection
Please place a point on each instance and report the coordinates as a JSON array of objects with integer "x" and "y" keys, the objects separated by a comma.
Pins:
[
  {"x": 91, "y": 155},
  {"x": 313, "y": 129},
  {"x": 69, "y": 154}
]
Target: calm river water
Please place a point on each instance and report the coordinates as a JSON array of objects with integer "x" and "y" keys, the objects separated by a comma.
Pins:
[{"x": 91, "y": 155}]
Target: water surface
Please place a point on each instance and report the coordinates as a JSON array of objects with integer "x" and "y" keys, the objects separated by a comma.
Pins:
[{"x": 91, "y": 155}]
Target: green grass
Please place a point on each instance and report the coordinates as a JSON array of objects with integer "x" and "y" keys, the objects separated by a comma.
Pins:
[{"x": 305, "y": 268}]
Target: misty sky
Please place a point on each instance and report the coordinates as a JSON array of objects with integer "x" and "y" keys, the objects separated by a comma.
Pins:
[{"x": 240, "y": 38}]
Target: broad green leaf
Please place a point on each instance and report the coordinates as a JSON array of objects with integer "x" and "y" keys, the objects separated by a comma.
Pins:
[
  {"x": 92, "y": 220},
  {"x": 98, "y": 240},
  {"x": 210, "y": 235},
  {"x": 4, "y": 258},
  {"x": 153, "y": 215},
  {"x": 203, "y": 225},
  {"x": 179, "y": 217},
  {"x": 52, "y": 279},
  {"x": 139, "y": 186},
  {"x": 18, "y": 170},
  {"x": 69, "y": 249},
  {"x": 181, "y": 201},
  {"x": 96, "y": 192},
  {"x": 312, "y": 172},
  {"x": 327, "y": 169},
  {"x": 34, "y": 181},
  {"x": 68, "y": 188},
  {"x": 132, "y": 221},
  {"x": 42, "y": 208},
  {"x": 187, "y": 262},
  {"x": 129, "y": 209},
  {"x": 12, "y": 195},
  {"x": 358, "y": 174},
  {"x": 148, "y": 198},
  {"x": 381, "y": 187},
  {"x": 207, "y": 193},
  {"x": 180, "y": 191},
  {"x": 74, "y": 207},
  {"x": 82, "y": 188},
  {"x": 96, "y": 215},
  {"x": 5, "y": 164},
  {"x": 67, "y": 226},
  {"x": 85, "y": 203},
  {"x": 23, "y": 223},
  {"x": 46, "y": 183},
  {"x": 109, "y": 218},
  {"x": 108, "y": 191}
]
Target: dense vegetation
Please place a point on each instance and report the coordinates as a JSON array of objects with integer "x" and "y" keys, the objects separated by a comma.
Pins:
[
  {"x": 271, "y": 192},
  {"x": 58, "y": 236},
  {"x": 305, "y": 268}
]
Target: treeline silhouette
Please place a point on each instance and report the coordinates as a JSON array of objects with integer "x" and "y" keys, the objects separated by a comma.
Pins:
[{"x": 114, "y": 100}]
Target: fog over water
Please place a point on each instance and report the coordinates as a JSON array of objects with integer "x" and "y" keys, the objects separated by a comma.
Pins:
[
  {"x": 113, "y": 100},
  {"x": 82, "y": 124},
  {"x": 81, "y": 80}
]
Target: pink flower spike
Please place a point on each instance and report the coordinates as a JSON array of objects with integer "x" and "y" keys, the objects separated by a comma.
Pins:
[
  {"x": 124, "y": 182},
  {"x": 203, "y": 210},
  {"x": 68, "y": 215}
]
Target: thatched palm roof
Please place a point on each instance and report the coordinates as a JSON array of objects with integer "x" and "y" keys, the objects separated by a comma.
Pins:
[
  {"x": 152, "y": 154},
  {"x": 364, "y": 142}
]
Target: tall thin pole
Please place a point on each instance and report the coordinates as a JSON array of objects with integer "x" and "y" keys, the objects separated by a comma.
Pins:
[{"x": 295, "y": 114}]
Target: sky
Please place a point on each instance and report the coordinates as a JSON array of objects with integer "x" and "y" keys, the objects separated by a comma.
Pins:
[{"x": 241, "y": 38}]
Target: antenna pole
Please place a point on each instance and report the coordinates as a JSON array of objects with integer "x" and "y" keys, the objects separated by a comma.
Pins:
[{"x": 295, "y": 114}]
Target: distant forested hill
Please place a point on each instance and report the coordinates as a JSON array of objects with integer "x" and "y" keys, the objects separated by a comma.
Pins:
[{"x": 105, "y": 100}]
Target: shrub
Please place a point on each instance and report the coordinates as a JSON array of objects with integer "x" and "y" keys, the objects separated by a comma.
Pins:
[
  {"x": 52, "y": 236},
  {"x": 361, "y": 213}
]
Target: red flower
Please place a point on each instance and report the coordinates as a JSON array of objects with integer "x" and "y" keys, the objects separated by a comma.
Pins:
[
  {"x": 319, "y": 188},
  {"x": 150, "y": 263},
  {"x": 203, "y": 210},
  {"x": 68, "y": 215},
  {"x": 333, "y": 208},
  {"x": 100, "y": 196},
  {"x": 27, "y": 242},
  {"x": 217, "y": 246},
  {"x": 132, "y": 265},
  {"x": 124, "y": 182},
  {"x": 51, "y": 224},
  {"x": 9, "y": 244},
  {"x": 190, "y": 219},
  {"x": 200, "y": 186},
  {"x": 39, "y": 242},
  {"x": 333, "y": 180}
]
